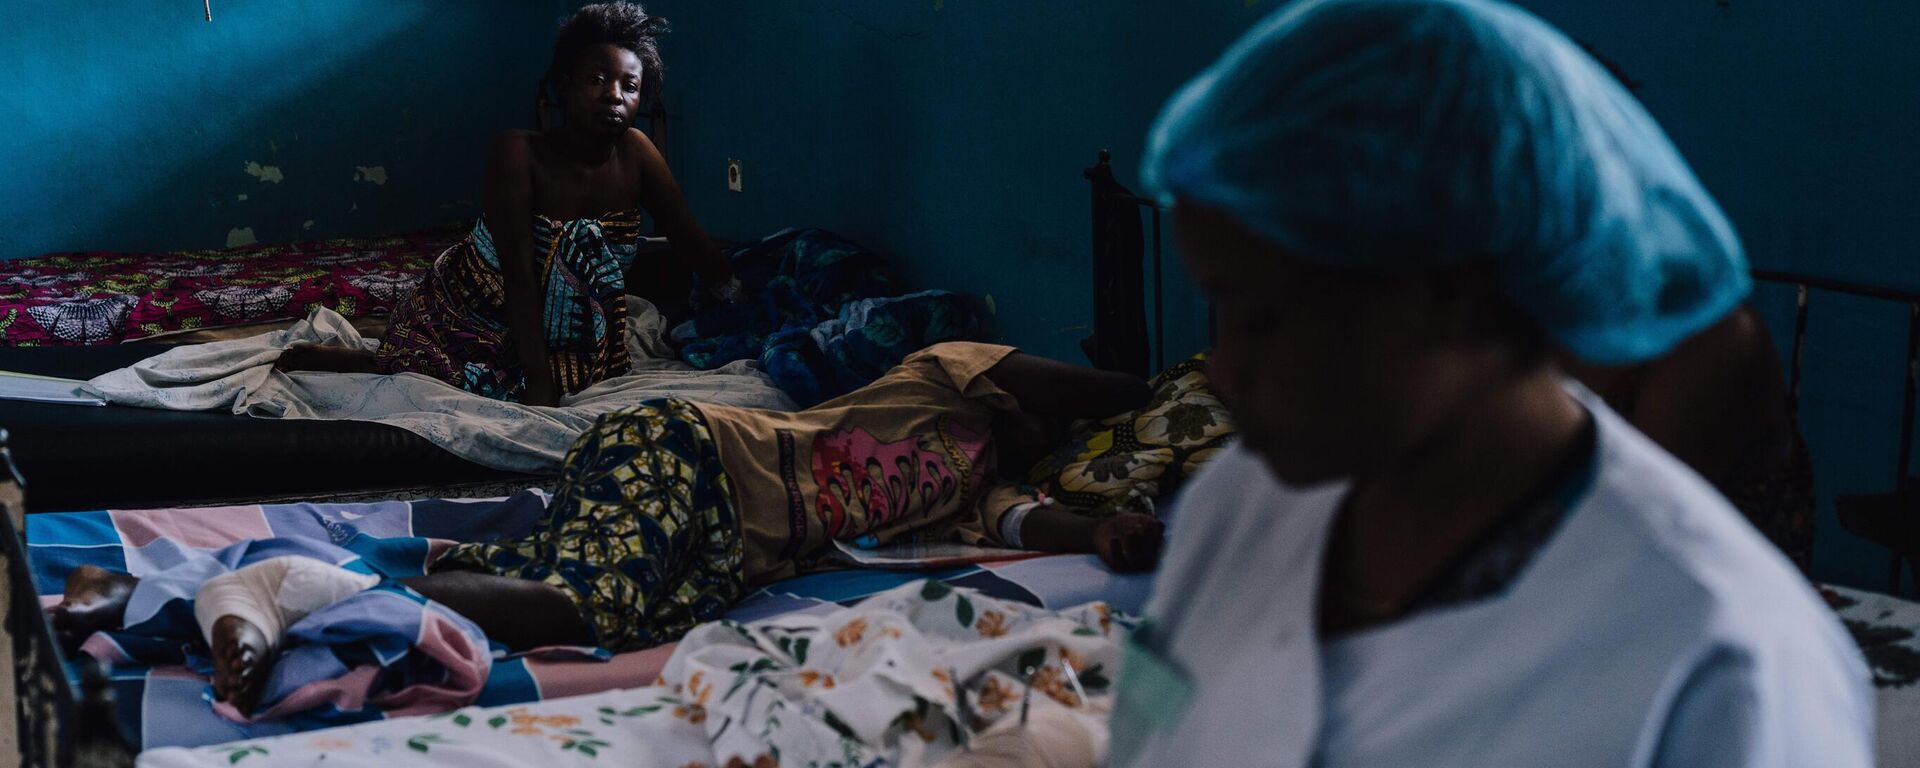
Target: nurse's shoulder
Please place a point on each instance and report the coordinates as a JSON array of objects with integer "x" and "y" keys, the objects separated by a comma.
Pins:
[{"x": 1767, "y": 655}]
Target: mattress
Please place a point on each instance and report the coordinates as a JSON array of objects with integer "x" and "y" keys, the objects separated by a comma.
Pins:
[{"x": 81, "y": 457}]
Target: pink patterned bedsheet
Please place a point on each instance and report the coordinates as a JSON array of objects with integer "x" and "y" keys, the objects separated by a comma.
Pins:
[{"x": 98, "y": 297}]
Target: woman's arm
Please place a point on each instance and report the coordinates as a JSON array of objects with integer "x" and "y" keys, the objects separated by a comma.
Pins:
[
  {"x": 661, "y": 196},
  {"x": 1053, "y": 388},
  {"x": 508, "y": 206},
  {"x": 1127, "y": 542}
]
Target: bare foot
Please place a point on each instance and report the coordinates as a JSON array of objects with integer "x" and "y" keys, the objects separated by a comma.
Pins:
[
  {"x": 320, "y": 357},
  {"x": 95, "y": 601},
  {"x": 240, "y": 663}
]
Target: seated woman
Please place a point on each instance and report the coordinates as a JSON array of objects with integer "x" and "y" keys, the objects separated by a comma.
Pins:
[
  {"x": 1404, "y": 211},
  {"x": 1719, "y": 403},
  {"x": 530, "y": 307},
  {"x": 666, "y": 513}
]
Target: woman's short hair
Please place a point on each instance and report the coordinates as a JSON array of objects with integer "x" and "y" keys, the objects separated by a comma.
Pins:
[{"x": 627, "y": 25}]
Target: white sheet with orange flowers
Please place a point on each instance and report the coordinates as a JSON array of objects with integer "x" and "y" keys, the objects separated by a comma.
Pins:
[{"x": 873, "y": 684}]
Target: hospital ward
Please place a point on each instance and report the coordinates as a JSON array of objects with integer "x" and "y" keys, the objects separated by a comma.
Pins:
[{"x": 959, "y": 384}]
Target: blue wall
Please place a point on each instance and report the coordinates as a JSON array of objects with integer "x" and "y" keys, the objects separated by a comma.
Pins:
[
  {"x": 950, "y": 134},
  {"x": 131, "y": 124}
]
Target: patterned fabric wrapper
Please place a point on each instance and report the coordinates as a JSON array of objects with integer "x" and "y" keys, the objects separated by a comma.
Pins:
[
  {"x": 642, "y": 533},
  {"x": 454, "y": 328}
]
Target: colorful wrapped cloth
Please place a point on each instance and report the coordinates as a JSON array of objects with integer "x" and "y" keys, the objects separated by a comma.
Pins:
[
  {"x": 99, "y": 297},
  {"x": 818, "y": 317},
  {"x": 454, "y": 327},
  {"x": 642, "y": 534},
  {"x": 386, "y": 651}
]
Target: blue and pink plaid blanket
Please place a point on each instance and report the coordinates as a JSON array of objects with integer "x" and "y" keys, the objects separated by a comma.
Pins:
[{"x": 403, "y": 655}]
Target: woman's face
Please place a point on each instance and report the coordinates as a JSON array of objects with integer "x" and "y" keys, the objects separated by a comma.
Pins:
[
  {"x": 1328, "y": 374},
  {"x": 602, "y": 92}
]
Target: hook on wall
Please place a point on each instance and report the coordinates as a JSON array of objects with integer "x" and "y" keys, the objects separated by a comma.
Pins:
[{"x": 209, "y": 6}]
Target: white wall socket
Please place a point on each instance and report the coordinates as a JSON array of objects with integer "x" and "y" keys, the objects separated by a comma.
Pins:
[{"x": 733, "y": 175}]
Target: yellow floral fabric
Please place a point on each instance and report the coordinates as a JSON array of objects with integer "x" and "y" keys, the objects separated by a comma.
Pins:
[{"x": 1108, "y": 465}]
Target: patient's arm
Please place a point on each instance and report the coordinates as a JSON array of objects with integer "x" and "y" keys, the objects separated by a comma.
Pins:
[
  {"x": 1053, "y": 388},
  {"x": 1127, "y": 542}
]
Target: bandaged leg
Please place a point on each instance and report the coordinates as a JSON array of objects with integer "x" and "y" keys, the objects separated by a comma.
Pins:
[{"x": 244, "y": 616}]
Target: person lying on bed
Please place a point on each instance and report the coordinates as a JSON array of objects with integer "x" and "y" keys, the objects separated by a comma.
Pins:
[
  {"x": 530, "y": 307},
  {"x": 666, "y": 513},
  {"x": 1431, "y": 547}
]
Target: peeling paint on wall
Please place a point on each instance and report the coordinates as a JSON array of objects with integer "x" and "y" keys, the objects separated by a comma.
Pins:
[
  {"x": 240, "y": 237},
  {"x": 308, "y": 224},
  {"x": 241, "y": 198},
  {"x": 265, "y": 173},
  {"x": 376, "y": 174},
  {"x": 992, "y": 308}
]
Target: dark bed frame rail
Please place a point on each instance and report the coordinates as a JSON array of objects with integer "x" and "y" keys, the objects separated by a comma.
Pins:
[
  {"x": 1891, "y": 520},
  {"x": 43, "y": 701}
]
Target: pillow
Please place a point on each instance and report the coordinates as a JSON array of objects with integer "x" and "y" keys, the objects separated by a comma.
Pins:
[{"x": 1111, "y": 464}]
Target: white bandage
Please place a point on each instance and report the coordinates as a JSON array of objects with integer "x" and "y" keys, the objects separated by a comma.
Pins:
[
  {"x": 1014, "y": 518},
  {"x": 274, "y": 594}
]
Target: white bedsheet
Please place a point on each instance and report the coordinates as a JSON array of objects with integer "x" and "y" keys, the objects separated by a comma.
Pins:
[{"x": 238, "y": 376}]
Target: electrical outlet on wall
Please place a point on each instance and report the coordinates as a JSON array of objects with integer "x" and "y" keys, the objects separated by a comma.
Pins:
[{"x": 733, "y": 175}]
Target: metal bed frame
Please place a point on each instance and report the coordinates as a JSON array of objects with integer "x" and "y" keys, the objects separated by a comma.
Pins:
[{"x": 1890, "y": 520}]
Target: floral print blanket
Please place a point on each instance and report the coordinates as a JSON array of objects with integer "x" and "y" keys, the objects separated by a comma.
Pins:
[
  {"x": 905, "y": 677},
  {"x": 98, "y": 297},
  {"x": 1888, "y": 631}
]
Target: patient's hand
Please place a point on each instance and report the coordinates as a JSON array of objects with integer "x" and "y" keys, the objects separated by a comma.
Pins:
[{"x": 1129, "y": 543}]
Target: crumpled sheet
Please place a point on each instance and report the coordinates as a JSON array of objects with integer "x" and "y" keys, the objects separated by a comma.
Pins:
[
  {"x": 820, "y": 316},
  {"x": 238, "y": 376},
  {"x": 869, "y": 685}
]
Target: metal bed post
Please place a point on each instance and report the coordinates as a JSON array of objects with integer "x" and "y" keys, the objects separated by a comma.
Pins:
[
  {"x": 1903, "y": 476},
  {"x": 1159, "y": 299},
  {"x": 1799, "y": 346}
]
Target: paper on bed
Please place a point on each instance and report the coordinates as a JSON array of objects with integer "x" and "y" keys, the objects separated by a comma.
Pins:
[
  {"x": 238, "y": 376},
  {"x": 926, "y": 554},
  {"x": 45, "y": 389}
]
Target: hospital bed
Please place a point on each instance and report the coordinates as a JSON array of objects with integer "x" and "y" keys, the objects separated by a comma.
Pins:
[{"x": 1127, "y": 235}]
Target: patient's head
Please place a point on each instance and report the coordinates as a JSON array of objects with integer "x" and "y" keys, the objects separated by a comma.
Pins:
[{"x": 606, "y": 63}]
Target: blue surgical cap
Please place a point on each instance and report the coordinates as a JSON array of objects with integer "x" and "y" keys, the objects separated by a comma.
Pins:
[{"x": 1397, "y": 137}]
